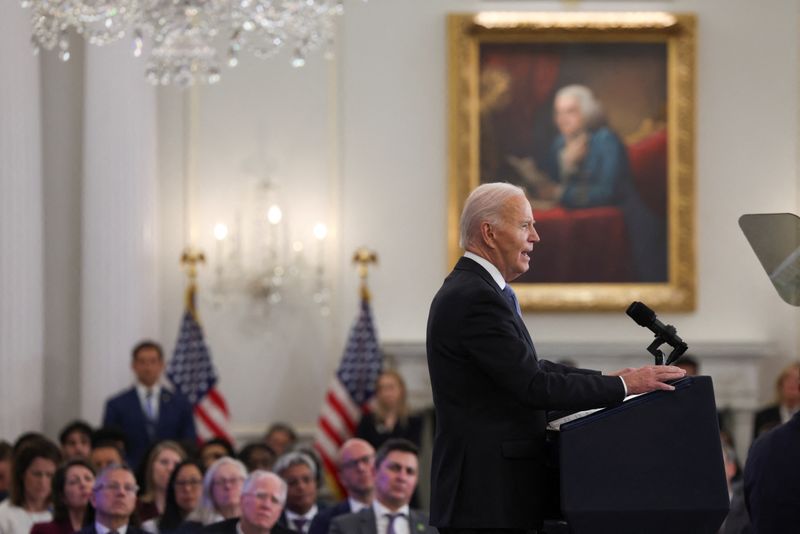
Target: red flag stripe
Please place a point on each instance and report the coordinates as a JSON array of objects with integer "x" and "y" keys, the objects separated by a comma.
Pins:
[
  {"x": 331, "y": 432},
  {"x": 201, "y": 414},
  {"x": 341, "y": 410},
  {"x": 216, "y": 398}
]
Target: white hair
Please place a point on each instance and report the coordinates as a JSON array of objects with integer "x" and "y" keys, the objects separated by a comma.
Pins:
[
  {"x": 295, "y": 458},
  {"x": 591, "y": 109},
  {"x": 484, "y": 204},
  {"x": 258, "y": 475},
  {"x": 207, "y": 511}
]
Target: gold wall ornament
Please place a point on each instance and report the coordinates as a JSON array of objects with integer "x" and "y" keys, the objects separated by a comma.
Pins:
[
  {"x": 363, "y": 258},
  {"x": 570, "y": 38}
]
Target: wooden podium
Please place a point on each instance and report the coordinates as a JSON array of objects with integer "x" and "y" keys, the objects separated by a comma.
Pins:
[{"x": 648, "y": 466}]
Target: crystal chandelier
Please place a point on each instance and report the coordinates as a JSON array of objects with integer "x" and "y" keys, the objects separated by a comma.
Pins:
[{"x": 183, "y": 33}]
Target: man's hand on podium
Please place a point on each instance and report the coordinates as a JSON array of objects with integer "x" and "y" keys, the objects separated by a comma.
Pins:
[{"x": 649, "y": 378}]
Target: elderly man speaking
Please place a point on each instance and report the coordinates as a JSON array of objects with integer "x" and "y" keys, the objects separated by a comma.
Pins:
[{"x": 489, "y": 388}]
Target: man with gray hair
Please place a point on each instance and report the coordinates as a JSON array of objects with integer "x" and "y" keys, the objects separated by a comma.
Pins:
[
  {"x": 114, "y": 500},
  {"x": 490, "y": 390},
  {"x": 299, "y": 471},
  {"x": 262, "y": 500}
]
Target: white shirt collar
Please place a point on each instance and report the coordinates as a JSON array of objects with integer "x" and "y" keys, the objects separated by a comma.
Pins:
[
  {"x": 356, "y": 506},
  {"x": 308, "y": 515},
  {"x": 102, "y": 529},
  {"x": 380, "y": 510},
  {"x": 489, "y": 266}
]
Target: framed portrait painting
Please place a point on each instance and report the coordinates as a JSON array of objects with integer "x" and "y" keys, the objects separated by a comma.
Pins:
[{"x": 592, "y": 114}]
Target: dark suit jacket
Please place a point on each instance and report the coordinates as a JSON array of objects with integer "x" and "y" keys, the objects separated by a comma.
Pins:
[
  {"x": 229, "y": 527},
  {"x": 363, "y": 522},
  {"x": 283, "y": 521},
  {"x": 175, "y": 421},
  {"x": 771, "y": 481},
  {"x": 490, "y": 392},
  {"x": 766, "y": 419},
  {"x": 89, "y": 529},
  {"x": 322, "y": 521}
]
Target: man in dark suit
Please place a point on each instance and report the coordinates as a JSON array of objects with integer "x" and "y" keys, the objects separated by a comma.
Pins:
[
  {"x": 149, "y": 412},
  {"x": 114, "y": 500},
  {"x": 263, "y": 498},
  {"x": 772, "y": 479},
  {"x": 357, "y": 475},
  {"x": 490, "y": 390},
  {"x": 396, "y": 470},
  {"x": 299, "y": 470}
]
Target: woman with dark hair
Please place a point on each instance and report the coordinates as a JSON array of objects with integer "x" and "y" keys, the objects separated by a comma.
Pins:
[
  {"x": 213, "y": 449},
  {"x": 32, "y": 474},
  {"x": 160, "y": 464},
  {"x": 183, "y": 496},
  {"x": 72, "y": 486}
]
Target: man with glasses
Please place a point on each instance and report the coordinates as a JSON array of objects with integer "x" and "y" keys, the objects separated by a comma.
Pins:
[
  {"x": 262, "y": 500},
  {"x": 357, "y": 475},
  {"x": 114, "y": 500},
  {"x": 396, "y": 470}
]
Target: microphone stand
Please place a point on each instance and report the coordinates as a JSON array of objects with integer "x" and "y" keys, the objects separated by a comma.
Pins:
[{"x": 677, "y": 350}]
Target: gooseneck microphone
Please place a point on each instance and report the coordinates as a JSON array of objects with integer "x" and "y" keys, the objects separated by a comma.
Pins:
[{"x": 665, "y": 333}]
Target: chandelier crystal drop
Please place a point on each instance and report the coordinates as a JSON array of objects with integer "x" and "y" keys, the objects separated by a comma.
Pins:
[{"x": 183, "y": 35}]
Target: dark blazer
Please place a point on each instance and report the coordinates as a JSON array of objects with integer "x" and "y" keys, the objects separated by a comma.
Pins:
[
  {"x": 89, "y": 529},
  {"x": 363, "y": 522},
  {"x": 283, "y": 520},
  {"x": 490, "y": 392},
  {"x": 766, "y": 419},
  {"x": 53, "y": 527},
  {"x": 771, "y": 481},
  {"x": 322, "y": 521},
  {"x": 229, "y": 527},
  {"x": 175, "y": 421}
]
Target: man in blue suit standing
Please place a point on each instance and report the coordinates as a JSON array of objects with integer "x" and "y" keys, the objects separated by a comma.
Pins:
[{"x": 149, "y": 412}]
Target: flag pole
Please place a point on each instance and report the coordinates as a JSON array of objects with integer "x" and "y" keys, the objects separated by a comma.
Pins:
[{"x": 190, "y": 260}]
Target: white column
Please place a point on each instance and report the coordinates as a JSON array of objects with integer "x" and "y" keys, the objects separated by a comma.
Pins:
[
  {"x": 21, "y": 280},
  {"x": 119, "y": 282}
]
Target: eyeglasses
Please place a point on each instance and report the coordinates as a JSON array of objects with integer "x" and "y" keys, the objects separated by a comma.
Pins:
[
  {"x": 355, "y": 462},
  {"x": 191, "y": 482},
  {"x": 263, "y": 496},
  {"x": 232, "y": 481},
  {"x": 114, "y": 487}
]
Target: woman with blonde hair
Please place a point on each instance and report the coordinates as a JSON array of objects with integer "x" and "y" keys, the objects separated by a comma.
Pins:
[
  {"x": 390, "y": 416},
  {"x": 160, "y": 463}
]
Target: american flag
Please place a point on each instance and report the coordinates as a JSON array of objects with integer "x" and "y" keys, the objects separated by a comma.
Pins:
[
  {"x": 351, "y": 388},
  {"x": 192, "y": 372}
]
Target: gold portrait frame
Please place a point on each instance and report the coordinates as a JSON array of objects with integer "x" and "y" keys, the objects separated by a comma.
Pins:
[{"x": 467, "y": 32}]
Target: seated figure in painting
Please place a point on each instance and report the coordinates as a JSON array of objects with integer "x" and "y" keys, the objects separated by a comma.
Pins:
[{"x": 588, "y": 167}]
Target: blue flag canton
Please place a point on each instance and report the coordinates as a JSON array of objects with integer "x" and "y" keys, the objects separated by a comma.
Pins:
[
  {"x": 362, "y": 360},
  {"x": 191, "y": 369}
]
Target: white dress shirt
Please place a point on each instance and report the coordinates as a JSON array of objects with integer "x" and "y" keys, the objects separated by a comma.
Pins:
[
  {"x": 102, "y": 529},
  {"x": 308, "y": 516},
  {"x": 401, "y": 524},
  {"x": 141, "y": 390}
]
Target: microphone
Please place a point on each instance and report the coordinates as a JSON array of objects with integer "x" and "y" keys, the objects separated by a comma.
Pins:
[{"x": 665, "y": 333}]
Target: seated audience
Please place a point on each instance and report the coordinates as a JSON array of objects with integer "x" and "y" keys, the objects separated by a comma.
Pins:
[
  {"x": 771, "y": 480},
  {"x": 262, "y": 500},
  {"x": 33, "y": 467},
  {"x": 76, "y": 440},
  {"x": 356, "y": 465},
  {"x": 390, "y": 416},
  {"x": 214, "y": 449},
  {"x": 114, "y": 501},
  {"x": 737, "y": 521},
  {"x": 396, "y": 468},
  {"x": 281, "y": 438},
  {"x": 787, "y": 401},
  {"x": 183, "y": 496},
  {"x": 222, "y": 487},
  {"x": 257, "y": 455},
  {"x": 72, "y": 486},
  {"x": 299, "y": 471},
  {"x": 159, "y": 466},
  {"x": 105, "y": 453},
  {"x": 5, "y": 468}
]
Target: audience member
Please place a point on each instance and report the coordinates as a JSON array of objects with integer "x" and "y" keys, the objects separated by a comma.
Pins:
[
  {"x": 689, "y": 364},
  {"x": 737, "y": 521},
  {"x": 25, "y": 438},
  {"x": 183, "y": 496},
  {"x": 105, "y": 452},
  {"x": 263, "y": 497},
  {"x": 214, "y": 449},
  {"x": 390, "y": 417},
  {"x": 159, "y": 466},
  {"x": 149, "y": 412},
  {"x": 76, "y": 440},
  {"x": 257, "y": 455},
  {"x": 357, "y": 475},
  {"x": 396, "y": 466},
  {"x": 72, "y": 487},
  {"x": 222, "y": 487},
  {"x": 299, "y": 471},
  {"x": 5, "y": 468},
  {"x": 33, "y": 467},
  {"x": 114, "y": 501},
  {"x": 280, "y": 437},
  {"x": 771, "y": 481},
  {"x": 787, "y": 401}
]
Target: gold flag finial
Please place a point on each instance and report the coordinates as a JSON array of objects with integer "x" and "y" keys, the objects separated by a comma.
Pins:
[
  {"x": 363, "y": 257},
  {"x": 190, "y": 260}
]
